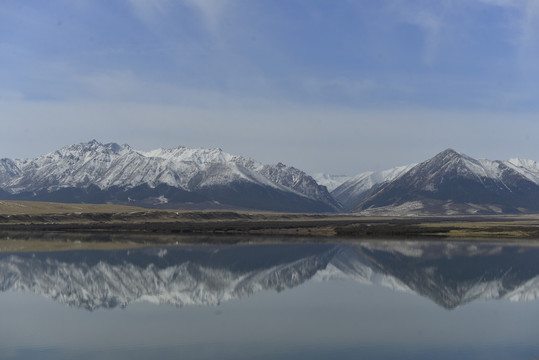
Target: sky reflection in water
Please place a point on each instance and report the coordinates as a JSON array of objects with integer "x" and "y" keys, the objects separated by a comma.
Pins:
[{"x": 368, "y": 300}]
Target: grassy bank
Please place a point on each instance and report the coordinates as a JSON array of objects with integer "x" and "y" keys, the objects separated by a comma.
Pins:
[{"x": 39, "y": 217}]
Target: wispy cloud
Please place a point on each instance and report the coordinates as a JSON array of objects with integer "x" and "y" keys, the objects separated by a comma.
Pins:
[
  {"x": 529, "y": 48},
  {"x": 211, "y": 11},
  {"x": 150, "y": 11},
  {"x": 526, "y": 23},
  {"x": 431, "y": 23},
  {"x": 429, "y": 18}
]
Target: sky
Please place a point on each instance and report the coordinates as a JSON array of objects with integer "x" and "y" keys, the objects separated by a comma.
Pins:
[{"x": 334, "y": 86}]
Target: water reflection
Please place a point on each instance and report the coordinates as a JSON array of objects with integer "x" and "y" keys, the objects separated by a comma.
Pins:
[{"x": 450, "y": 274}]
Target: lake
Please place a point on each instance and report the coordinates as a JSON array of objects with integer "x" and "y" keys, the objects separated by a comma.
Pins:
[{"x": 366, "y": 300}]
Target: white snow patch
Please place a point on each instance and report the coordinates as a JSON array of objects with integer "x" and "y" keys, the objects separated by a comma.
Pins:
[{"x": 331, "y": 182}]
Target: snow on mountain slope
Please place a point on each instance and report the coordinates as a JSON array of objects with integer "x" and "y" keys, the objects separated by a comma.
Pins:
[
  {"x": 454, "y": 183},
  {"x": 331, "y": 182},
  {"x": 527, "y": 168},
  {"x": 113, "y": 166},
  {"x": 449, "y": 183},
  {"x": 298, "y": 181},
  {"x": 352, "y": 191},
  {"x": 8, "y": 170},
  {"x": 449, "y": 163},
  {"x": 110, "y": 165}
]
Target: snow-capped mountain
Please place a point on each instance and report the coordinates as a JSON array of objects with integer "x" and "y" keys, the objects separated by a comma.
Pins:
[
  {"x": 95, "y": 172},
  {"x": 331, "y": 182},
  {"x": 449, "y": 183},
  {"x": 355, "y": 189},
  {"x": 449, "y": 274}
]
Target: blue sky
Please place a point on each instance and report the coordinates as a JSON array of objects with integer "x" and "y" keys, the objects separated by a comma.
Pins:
[{"x": 327, "y": 86}]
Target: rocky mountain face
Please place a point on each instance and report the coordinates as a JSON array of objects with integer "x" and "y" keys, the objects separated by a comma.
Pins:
[
  {"x": 331, "y": 182},
  {"x": 450, "y": 183},
  {"x": 97, "y": 173},
  {"x": 448, "y": 274},
  {"x": 447, "y": 184},
  {"x": 353, "y": 191}
]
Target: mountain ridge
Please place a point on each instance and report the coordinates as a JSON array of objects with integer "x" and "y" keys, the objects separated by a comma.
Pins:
[
  {"x": 357, "y": 188},
  {"x": 449, "y": 183},
  {"x": 96, "y": 172}
]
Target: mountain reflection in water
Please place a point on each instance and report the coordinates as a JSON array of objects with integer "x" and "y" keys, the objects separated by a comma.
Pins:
[{"x": 450, "y": 274}]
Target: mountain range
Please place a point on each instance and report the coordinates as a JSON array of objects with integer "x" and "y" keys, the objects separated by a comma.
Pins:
[
  {"x": 450, "y": 275},
  {"x": 208, "y": 178},
  {"x": 449, "y": 183}
]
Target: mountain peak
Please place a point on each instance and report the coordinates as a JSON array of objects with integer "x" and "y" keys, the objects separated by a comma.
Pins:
[
  {"x": 94, "y": 146},
  {"x": 448, "y": 154},
  {"x": 450, "y": 159},
  {"x": 455, "y": 183},
  {"x": 97, "y": 172}
]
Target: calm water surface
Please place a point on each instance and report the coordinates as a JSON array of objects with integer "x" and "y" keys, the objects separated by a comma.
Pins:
[{"x": 370, "y": 300}]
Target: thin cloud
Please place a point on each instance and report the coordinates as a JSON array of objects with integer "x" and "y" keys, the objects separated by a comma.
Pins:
[
  {"x": 150, "y": 11},
  {"x": 527, "y": 25},
  {"x": 530, "y": 27},
  {"x": 431, "y": 24},
  {"x": 511, "y": 3},
  {"x": 211, "y": 11},
  {"x": 429, "y": 17}
]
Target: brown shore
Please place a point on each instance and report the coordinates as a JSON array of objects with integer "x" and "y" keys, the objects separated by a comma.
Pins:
[{"x": 38, "y": 220}]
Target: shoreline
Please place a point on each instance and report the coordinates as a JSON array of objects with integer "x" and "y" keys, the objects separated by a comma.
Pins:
[
  {"x": 19, "y": 242},
  {"x": 91, "y": 222},
  {"x": 237, "y": 223}
]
